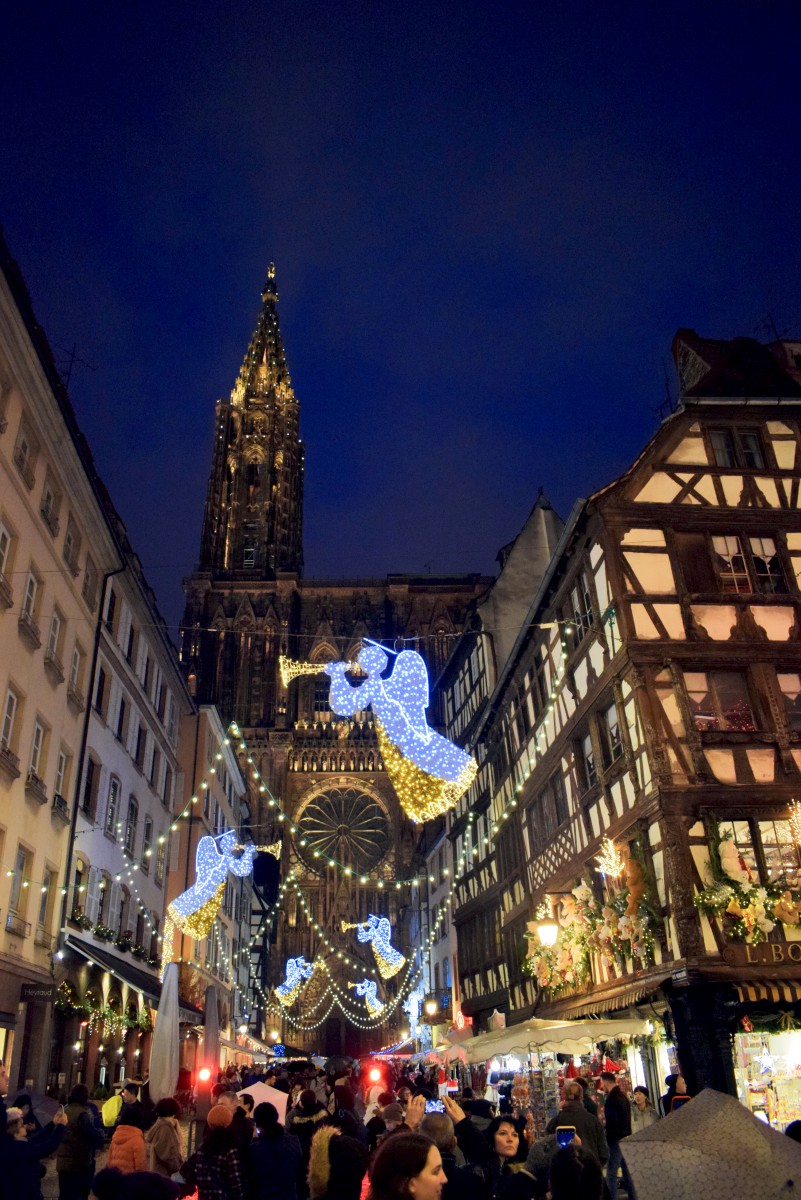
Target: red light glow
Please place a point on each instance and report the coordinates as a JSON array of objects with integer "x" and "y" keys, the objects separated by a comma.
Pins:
[
  {"x": 375, "y": 1075},
  {"x": 204, "y": 1074}
]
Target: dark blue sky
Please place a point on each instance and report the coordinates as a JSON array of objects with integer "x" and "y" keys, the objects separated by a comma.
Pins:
[{"x": 488, "y": 221}]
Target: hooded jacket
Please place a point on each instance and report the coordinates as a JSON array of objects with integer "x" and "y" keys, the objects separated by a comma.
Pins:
[
  {"x": 127, "y": 1151},
  {"x": 164, "y": 1141},
  {"x": 304, "y": 1125},
  {"x": 336, "y": 1167}
]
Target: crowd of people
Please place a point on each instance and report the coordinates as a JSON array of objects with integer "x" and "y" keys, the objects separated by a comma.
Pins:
[{"x": 391, "y": 1138}]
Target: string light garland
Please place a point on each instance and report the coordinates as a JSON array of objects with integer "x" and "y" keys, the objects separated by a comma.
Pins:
[{"x": 610, "y": 864}]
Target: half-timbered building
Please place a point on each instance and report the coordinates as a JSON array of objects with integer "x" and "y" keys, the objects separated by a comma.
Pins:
[{"x": 641, "y": 748}]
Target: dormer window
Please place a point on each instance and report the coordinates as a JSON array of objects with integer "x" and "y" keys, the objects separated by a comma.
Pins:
[{"x": 737, "y": 448}]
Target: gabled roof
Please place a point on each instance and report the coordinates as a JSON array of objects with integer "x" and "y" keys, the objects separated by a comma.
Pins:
[{"x": 740, "y": 368}]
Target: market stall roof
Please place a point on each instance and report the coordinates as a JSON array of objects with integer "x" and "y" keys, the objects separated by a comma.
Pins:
[{"x": 565, "y": 1037}]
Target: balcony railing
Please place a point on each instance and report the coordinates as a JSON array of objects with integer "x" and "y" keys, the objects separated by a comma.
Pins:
[
  {"x": 16, "y": 926},
  {"x": 50, "y": 519},
  {"x": 35, "y": 788},
  {"x": 61, "y": 809},
  {"x": 24, "y": 467},
  {"x": 44, "y": 939},
  {"x": 9, "y": 762},
  {"x": 54, "y": 666},
  {"x": 29, "y": 629},
  {"x": 75, "y": 699}
]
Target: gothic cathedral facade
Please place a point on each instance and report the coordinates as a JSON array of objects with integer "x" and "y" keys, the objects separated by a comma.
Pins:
[{"x": 247, "y": 604}]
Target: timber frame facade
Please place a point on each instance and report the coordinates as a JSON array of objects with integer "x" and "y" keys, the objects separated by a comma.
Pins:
[{"x": 653, "y": 698}]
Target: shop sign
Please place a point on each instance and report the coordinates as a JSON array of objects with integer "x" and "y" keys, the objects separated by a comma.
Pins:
[
  {"x": 44, "y": 992},
  {"x": 766, "y": 953}
]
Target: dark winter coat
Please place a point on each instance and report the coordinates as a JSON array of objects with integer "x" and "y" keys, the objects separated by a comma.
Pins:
[
  {"x": 23, "y": 1177},
  {"x": 81, "y": 1139},
  {"x": 588, "y": 1127},
  {"x": 617, "y": 1116},
  {"x": 303, "y": 1125},
  {"x": 275, "y": 1167}
]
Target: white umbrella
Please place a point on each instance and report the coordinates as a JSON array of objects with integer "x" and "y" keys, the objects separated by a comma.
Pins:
[
  {"x": 262, "y": 1093},
  {"x": 713, "y": 1148},
  {"x": 164, "y": 1053}
]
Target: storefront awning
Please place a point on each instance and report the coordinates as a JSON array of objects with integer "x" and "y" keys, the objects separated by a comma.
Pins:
[
  {"x": 141, "y": 981},
  {"x": 784, "y": 992},
  {"x": 581, "y": 1006},
  {"x": 565, "y": 1037}
]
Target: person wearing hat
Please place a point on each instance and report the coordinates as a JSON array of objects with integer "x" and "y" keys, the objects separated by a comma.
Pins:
[
  {"x": 274, "y": 1159},
  {"x": 216, "y": 1168},
  {"x": 392, "y": 1116}
]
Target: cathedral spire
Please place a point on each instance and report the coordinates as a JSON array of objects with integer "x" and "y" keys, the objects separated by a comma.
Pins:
[{"x": 254, "y": 508}]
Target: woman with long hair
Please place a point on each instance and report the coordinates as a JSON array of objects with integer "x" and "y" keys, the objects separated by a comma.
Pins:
[{"x": 407, "y": 1166}]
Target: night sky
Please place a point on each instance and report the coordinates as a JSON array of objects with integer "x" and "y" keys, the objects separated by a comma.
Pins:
[{"x": 488, "y": 221}]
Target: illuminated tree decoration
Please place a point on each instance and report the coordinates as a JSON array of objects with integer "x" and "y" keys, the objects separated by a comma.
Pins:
[
  {"x": 297, "y": 971},
  {"x": 610, "y": 864},
  {"x": 378, "y": 931},
  {"x": 193, "y": 912},
  {"x": 369, "y": 988},
  {"x": 428, "y": 772}
]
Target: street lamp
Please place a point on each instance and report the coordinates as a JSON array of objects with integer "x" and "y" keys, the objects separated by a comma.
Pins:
[
  {"x": 430, "y": 1007},
  {"x": 545, "y": 927}
]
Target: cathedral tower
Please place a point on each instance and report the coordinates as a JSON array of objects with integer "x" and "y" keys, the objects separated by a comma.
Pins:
[{"x": 253, "y": 524}]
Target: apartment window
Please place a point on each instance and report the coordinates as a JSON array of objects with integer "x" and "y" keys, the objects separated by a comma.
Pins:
[
  {"x": 51, "y": 502},
  {"x": 581, "y": 608},
  {"x": 559, "y": 799},
  {"x": 766, "y": 850},
  {"x": 155, "y": 767},
  {"x": 90, "y": 788},
  {"x": 161, "y": 858},
  {"x": 130, "y": 826},
  {"x": 130, "y": 645},
  {"x": 737, "y": 448},
  {"x": 49, "y": 884},
  {"x": 436, "y": 977},
  {"x": 141, "y": 745},
  {"x": 719, "y": 700},
  {"x": 31, "y": 596},
  {"x": 26, "y": 452},
  {"x": 72, "y": 546},
  {"x": 76, "y": 668},
  {"x": 588, "y": 761},
  {"x": 89, "y": 590},
  {"x": 167, "y": 793},
  {"x": 171, "y": 719},
  {"x": 104, "y": 888},
  {"x": 9, "y": 719},
  {"x": 101, "y": 692},
  {"x": 22, "y": 873},
  {"x": 790, "y": 686},
  {"x": 611, "y": 730},
  {"x": 122, "y": 713},
  {"x": 146, "y": 673},
  {"x": 111, "y": 609},
  {"x": 113, "y": 806},
  {"x": 54, "y": 637},
  {"x": 37, "y": 748},
  {"x": 748, "y": 565},
  {"x": 125, "y": 905},
  {"x": 147, "y": 844},
  {"x": 5, "y": 550},
  {"x": 62, "y": 773}
]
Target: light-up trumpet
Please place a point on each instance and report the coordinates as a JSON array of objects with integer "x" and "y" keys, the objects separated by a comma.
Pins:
[{"x": 291, "y": 668}]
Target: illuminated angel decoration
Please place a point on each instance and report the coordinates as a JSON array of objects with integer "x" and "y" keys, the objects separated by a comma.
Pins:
[
  {"x": 378, "y": 931},
  {"x": 193, "y": 912},
  {"x": 428, "y": 772},
  {"x": 369, "y": 989},
  {"x": 297, "y": 972}
]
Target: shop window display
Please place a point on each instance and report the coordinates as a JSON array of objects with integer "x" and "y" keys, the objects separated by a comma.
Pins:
[{"x": 767, "y": 1067}]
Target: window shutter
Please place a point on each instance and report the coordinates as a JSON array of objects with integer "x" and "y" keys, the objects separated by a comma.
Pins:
[
  {"x": 92, "y": 895},
  {"x": 114, "y": 907}
]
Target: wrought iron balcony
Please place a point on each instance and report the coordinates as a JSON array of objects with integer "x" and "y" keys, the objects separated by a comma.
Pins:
[
  {"x": 16, "y": 926},
  {"x": 29, "y": 629},
  {"x": 75, "y": 699},
  {"x": 54, "y": 666},
  {"x": 61, "y": 809},
  {"x": 9, "y": 762},
  {"x": 44, "y": 939},
  {"x": 35, "y": 788}
]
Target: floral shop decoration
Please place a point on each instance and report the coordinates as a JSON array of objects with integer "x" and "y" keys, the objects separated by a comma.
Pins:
[
  {"x": 619, "y": 928},
  {"x": 748, "y": 910}
]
